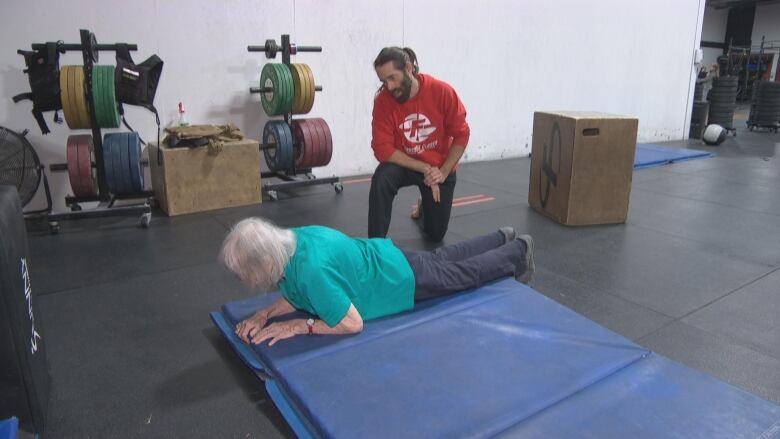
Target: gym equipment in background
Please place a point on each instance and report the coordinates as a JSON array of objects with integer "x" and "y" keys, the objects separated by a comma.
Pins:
[
  {"x": 20, "y": 167},
  {"x": 714, "y": 135},
  {"x": 765, "y": 110},
  {"x": 24, "y": 374},
  {"x": 89, "y": 101},
  {"x": 723, "y": 102},
  {"x": 291, "y": 147}
]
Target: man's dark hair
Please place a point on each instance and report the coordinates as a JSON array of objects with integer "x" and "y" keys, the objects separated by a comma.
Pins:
[{"x": 399, "y": 57}]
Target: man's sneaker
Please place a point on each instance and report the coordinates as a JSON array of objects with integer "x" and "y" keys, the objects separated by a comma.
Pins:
[
  {"x": 509, "y": 233},
  {"x": 530, "y": 267}
]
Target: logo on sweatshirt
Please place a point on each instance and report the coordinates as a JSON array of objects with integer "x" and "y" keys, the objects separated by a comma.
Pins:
[{"x": 417, "y": 128}]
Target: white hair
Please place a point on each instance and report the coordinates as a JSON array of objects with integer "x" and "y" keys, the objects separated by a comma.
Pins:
[{"x": 258, "y": 251}]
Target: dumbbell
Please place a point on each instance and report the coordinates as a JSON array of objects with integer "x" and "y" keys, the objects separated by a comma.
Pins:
[{"x": 271, "y": 48}]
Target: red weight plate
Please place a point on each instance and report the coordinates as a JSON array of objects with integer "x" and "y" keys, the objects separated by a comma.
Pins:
[
  {"x": 318, "y": 142},
  {"x": 72, "y": 154},
  {"x": 321, "y": 143},
  {"x": 86, "y": 151},
  {"x": 328, "y": 149},
  {"x": 310, "y": 146}
]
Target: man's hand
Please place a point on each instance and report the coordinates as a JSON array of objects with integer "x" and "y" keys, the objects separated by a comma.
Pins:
[
  {"x": 249, "y": 328},
  {"x": 280, "y": 331},
  {"x": 434, "y": 175}
]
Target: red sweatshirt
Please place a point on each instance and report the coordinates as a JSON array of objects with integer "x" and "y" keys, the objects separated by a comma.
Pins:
[{"x": 424, "y": 127}]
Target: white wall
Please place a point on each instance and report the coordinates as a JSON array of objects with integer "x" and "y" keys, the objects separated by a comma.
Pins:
[
  {"x": 713, "y": 30},
  {"x": 507, "y": 59},
  {"x": 767, "y": 24}
]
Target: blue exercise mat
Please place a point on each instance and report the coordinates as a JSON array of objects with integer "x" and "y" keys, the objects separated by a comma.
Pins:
[
  {"x": 649, "y": 155},
  {"x": 502, "y": 359},
  {"x": 9, "y": 428}
]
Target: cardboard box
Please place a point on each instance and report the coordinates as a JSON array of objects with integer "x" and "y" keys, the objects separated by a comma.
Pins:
[
  {"x": 197, "y": 179},
  {"x": 581, "y": 166}
]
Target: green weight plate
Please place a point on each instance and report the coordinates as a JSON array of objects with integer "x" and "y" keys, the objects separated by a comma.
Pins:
[{"x": 269, "y": 99}]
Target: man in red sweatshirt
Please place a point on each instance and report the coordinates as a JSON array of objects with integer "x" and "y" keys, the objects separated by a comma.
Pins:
[{"x": 419, "y": 135}]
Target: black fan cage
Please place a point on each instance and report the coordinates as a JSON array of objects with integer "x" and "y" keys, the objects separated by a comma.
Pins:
[{"x": 19, "y": 165}]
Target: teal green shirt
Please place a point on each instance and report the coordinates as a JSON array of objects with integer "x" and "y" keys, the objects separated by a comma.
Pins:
[{"x": 329, "y": 271}]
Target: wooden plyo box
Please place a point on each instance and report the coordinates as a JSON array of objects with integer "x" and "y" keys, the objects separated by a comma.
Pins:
[
  {"x": 188, "y": 180},
  {"x": 582, "y": 165}
]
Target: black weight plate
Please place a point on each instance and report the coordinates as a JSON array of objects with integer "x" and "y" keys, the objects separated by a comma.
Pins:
[{"x": 134, "y": 162}]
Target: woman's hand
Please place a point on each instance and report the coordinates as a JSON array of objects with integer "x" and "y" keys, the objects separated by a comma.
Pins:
[
  {"x": 249, "y": 328},
  {"x": 281, "y": 331}
]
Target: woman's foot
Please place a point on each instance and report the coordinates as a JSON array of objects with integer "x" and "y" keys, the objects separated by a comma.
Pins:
[{"x": 530, "y": 267}]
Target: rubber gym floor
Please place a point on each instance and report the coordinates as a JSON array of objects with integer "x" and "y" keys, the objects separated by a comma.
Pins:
[{"x": 693, "y": 275}]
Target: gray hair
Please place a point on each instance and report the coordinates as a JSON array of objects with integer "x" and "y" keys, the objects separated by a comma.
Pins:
[{"x": 258, "y": 251}]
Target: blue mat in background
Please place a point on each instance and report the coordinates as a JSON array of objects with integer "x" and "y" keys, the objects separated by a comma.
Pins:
[
  {"x": 502, "y": 360},
  {"x": 649, "y": 155},
  {"x": 9, "y": 428}
]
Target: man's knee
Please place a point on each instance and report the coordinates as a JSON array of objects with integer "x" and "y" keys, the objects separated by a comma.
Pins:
[{"x": 386, "y": 176}]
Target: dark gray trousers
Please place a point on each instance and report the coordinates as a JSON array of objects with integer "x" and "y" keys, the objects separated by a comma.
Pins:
[{"x": 464, "y": 265}]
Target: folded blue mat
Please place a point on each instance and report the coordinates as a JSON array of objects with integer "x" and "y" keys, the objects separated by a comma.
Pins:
[
  {"x": 502, "y": 359},
  {"x": 649, "y": 155},
  {"x": 9, "y": 428}
]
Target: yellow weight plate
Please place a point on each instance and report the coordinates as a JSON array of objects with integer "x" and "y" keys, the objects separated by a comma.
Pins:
[
  {"x": 309, "y": 102},
  {"x": 82, "y": 107}
]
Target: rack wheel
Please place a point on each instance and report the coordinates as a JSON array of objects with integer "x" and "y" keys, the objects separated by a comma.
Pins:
[
  {"x": 338, "y": 187},
  {"x": 273, "y": 196},
  {"x": 311, "y": 176},
  {"x": 75, "y": 207},
  {"x": 145, "y": 220},
  {"x": 54, "y": 227}
]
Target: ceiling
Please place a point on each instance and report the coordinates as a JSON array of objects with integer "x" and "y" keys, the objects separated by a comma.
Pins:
[{"x": 728, "y": 4}]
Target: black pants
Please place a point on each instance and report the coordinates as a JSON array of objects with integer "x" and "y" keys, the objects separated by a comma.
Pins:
[
  {"x": 465, "y": 265},
  {"x": 387, "y": 179}
]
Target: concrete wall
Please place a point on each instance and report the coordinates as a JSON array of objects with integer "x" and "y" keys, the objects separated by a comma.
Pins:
[{"x": 505, "y": 58}]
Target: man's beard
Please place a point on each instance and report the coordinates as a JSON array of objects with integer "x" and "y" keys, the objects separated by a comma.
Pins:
[{"x": 402, "y": 93}]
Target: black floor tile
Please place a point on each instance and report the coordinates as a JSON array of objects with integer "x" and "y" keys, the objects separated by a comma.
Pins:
[
  {"x": 87, "y": 252},
  {"x": 750, "y": 316},
  {"x": 670, "y": 275},
  {"x": 731, "y": 362},
  {"x": 620, "y": 315},
  {"x": 140, "y": 357},
  {"x": 734, "y": 232}
]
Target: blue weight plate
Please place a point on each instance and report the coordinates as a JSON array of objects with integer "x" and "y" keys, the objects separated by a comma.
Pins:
[
  {"x": 136, "y": 171},
  {"x": 270, "y": 137},
  {"x": 108, "y": 162}
]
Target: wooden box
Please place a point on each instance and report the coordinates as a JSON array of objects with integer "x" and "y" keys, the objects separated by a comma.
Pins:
[{"x": 188, "y": 180}]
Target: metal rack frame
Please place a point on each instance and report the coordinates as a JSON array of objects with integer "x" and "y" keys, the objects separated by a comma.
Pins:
[
  {"x": 106, "y": 200},
  {"x": 289, "y": 179}
]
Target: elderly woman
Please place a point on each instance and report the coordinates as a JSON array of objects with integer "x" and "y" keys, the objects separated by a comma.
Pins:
[{"x": 343, "y": 281}]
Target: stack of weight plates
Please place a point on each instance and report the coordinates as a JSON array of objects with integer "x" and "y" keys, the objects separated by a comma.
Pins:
[
  {"x": 698, "y": 92},
  {"x": 698, "y": 119},
  {"x": 279, "y": 100},
  {"x": 308, "y": 142},
  {"x": 73, "y": 97},
  {"x": 765, "y": 111},
  {"x": 723, "y": 101},
  {"x": 80, "y": 153},
  {"x": 104, "y": 96},
  {"x": 122, "y": 163}
]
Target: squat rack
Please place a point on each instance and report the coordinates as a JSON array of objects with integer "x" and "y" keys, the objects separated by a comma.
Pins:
[
  {"x": 89, "y": 49},
  {"x": 289, "y": 181}
]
